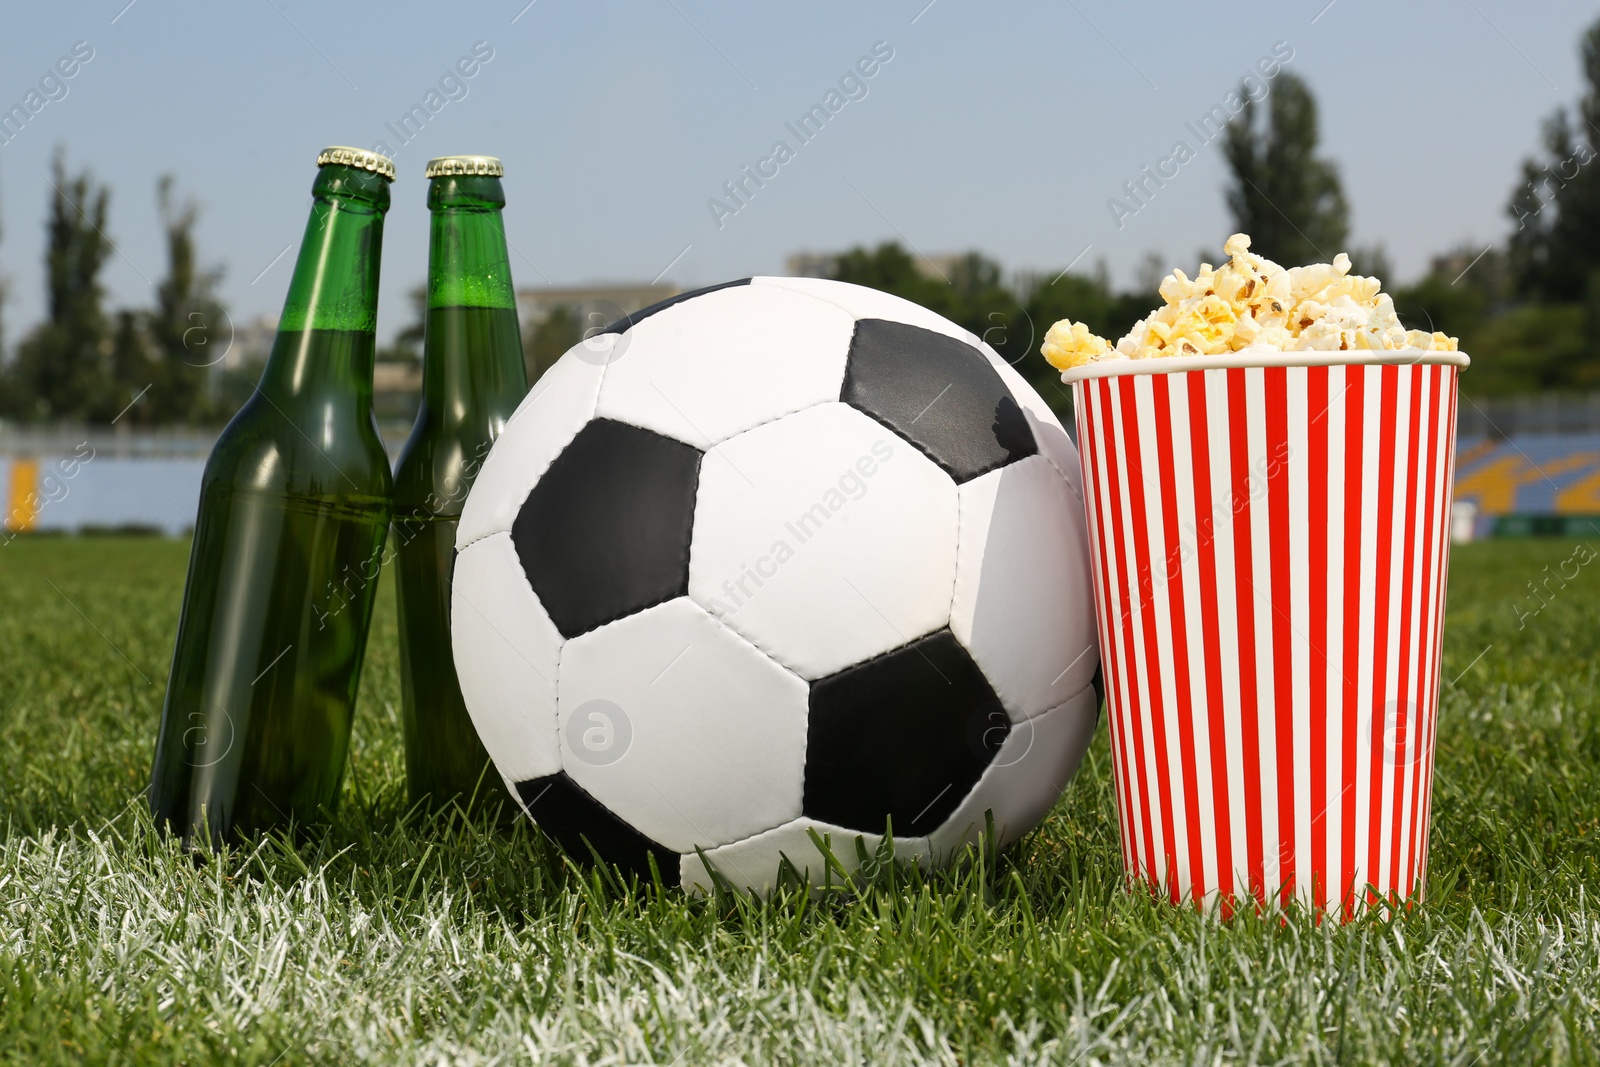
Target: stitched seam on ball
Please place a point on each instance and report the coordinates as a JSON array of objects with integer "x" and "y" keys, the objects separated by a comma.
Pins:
[
  {"x": 805, "y": 733},
  {"x": 763, "y": 653},
  {"x": 996, "y": 770},
  {"x": 805, "y": 738},
  {"x": 772, "y": 656},
  {"x": 698, "y": 481},
  {"x": 967, "y": 336},
  {"x": 1059, "y": 472},
  {"x": 775, "y": 418},
  {"x": 605, "y": 370},
  {"x": 955, "y": 574},
  {"x": 561, "y": 655},
  {"x": 783, "y": 415},
  {"x": 743, "y": 640},
  {"x": 475, "y": 540},
  {"x": 633, "y": 614},
  {"x": 823, "y": 829},
  {"x": 593, "y": 407},
  {"x": 1057, "y": 707},
  {"x": 804, "y": 407}
]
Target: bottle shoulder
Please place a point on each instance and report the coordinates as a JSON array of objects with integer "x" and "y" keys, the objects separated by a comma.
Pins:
[
  {"x": 273, "y": 446},
  {"x": 441, "y": 459}
]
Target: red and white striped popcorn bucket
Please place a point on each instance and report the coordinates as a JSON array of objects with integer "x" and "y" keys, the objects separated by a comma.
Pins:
[{"x": 1270, "y": 537}]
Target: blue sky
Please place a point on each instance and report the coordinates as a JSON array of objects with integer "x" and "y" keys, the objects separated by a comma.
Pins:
[{"x": 999, "y": 126}]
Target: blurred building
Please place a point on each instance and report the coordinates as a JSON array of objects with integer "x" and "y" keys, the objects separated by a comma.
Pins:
[
  {"x": 391, "y": 377},
  {"x": 811, "y": 264}
]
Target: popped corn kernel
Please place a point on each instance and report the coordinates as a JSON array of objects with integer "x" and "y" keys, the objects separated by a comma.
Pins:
[{"x": 1069, "y": 344}]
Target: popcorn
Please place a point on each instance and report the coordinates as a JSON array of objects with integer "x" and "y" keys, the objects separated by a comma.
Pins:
[
  {"x": 1070, "y": 344},
  {"x": 1252, "y": 302}
]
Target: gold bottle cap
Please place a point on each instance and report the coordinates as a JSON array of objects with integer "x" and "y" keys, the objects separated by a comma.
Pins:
[
  {"x": 360, "y": 158},
  {"x": 486, "y": 166}
]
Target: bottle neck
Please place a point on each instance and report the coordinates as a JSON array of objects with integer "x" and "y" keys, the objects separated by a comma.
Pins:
[
  {"x": 472, "y": 350},
  {"x": 332, "y": 303}
]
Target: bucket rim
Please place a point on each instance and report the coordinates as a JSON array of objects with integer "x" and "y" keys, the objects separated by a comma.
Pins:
[{"x": 1124, "y": 366}]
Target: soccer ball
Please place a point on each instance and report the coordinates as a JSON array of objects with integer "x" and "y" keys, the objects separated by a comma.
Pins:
[{"x": 771, "y": 564}]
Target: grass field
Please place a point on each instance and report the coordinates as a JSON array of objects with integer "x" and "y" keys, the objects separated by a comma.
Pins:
[{"x": 396, "y": 940}]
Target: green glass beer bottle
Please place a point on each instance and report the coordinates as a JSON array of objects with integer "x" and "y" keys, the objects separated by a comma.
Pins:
[
  {"x": 294, "y": 509},
  {"x": 473, "y": 377}
]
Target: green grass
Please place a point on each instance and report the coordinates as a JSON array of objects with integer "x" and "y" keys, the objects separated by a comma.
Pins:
[{"x": 400, "y": 940}]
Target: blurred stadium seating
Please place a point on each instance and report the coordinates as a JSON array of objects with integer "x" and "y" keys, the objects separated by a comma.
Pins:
[{"x": 1531, "y": 483}]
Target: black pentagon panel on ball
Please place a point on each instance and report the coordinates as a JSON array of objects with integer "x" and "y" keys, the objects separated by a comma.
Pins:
[
  {"x": 577, "y": 821},
  {"x": 636, "y": 317},
  {"x": 939, "y": 393},
  {"x": 901, "y": 739},
  {"x": 605, "y": 532}
]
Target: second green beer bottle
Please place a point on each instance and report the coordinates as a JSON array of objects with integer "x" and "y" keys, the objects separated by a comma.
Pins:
[
  {"x": 473, "y": 377},
  {"x": 294, "y": 506}
]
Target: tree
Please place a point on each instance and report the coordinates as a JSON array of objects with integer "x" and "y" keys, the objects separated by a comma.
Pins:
[
  {"x": 1557, "y": 206},
  {"x": 970, "y": 291},
  {"x": 891, "y": 269},
  {"x": 61, "y": 370},
  {"x": 549, "y": 340},
  {"x": 407, "y": 344},
  {"x": 2, "y": 329},
  {"x": 1372, "y": 261},
  {"x": 187, "y": 327},
  {"x": 133, "y": 359},
  {"x": 978, "y": 300},
  {"x": 975, "y": 297},
  {"x": 1288, "y": 200},
  {"x": 1461, "y": 291},
  {"x": 1085, "y": 298},
  {"x": 1536, "y": 346},
  {"x": 1533, "y": 348}
]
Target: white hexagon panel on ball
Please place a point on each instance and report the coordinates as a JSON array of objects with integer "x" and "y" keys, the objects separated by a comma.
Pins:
[
  {"x": 506, "y": 652},
  {"x": 705, "y": 369},
  {"x": 681, "y": 728},
  {"x": 1024, "y": 544},
  {"x": 824, "y": 538}
]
